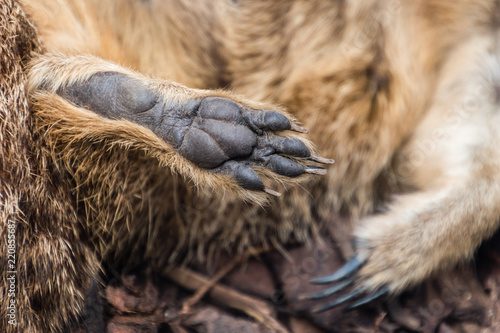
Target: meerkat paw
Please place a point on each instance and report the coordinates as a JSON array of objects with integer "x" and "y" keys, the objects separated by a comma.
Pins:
[
  {"x": 226, "y": 137},
  {"x": 214, "y": 131},
  {"x": 420, "y": 234},
  {"x": 388, "y": 259}
]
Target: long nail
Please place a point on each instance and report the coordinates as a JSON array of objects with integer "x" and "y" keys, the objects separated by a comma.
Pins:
[
  {"x": 346, "y": 270},
  {"x": 367, "y": 299},
  {"x": 339, "y": 301},
  {"x": 299, "y": 129},
  {"x": 272, "y": 192},
  {"x": 322, "y": 160},
  {"x": 327, "y": 292},
  {"x": 316, "y": 170}
]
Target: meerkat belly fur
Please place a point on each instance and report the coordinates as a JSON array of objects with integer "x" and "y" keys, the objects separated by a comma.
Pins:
[{"x": 404, "y": 95}]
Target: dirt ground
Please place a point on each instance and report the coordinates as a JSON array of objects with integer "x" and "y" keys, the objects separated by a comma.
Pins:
[{"x": 261, "y": 294}]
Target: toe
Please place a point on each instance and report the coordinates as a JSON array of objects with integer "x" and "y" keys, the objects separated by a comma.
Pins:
[
  {"x": 267, "y": 120},
  {"x": 243, "y": 175},
  {"x": 288, "y": 146},
  {"x": 284, "y": 166}
]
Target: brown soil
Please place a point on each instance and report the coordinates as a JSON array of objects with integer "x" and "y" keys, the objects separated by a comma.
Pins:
[{"x": 260, "y": 294}]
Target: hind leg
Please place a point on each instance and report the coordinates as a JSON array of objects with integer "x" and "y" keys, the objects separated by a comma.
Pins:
[{"x": 454, "y": 163}]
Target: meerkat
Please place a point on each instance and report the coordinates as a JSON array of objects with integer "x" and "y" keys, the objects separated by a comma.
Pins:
[
  {"x": 404, "y": 95},
  {"x": 109, "y": 156}
]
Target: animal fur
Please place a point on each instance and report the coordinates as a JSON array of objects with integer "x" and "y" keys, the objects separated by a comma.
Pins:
[{"x": 403, "y": 94}]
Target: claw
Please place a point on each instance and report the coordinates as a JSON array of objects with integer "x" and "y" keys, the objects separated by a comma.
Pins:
[
  {"x": 328, "y": 292},
  {"x": 368, "y": 298},
  {"x": 321, "y": 160},
  {"x": 316, "y": 170},
  {"x": 272, "y": 192},
  {"x": 339, "y": 301},
  {"x": 300, "y": 129},
  {"x": 350, "y": 267}
]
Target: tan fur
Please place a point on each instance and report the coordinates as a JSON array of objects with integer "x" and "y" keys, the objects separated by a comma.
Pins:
[{"x": 403, "y": 94}]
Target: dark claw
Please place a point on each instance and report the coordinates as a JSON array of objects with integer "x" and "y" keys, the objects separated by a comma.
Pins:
[
  {"x": 349, "y": 268},
  {"x": 343, "y": 278},
  {"x": 339, "y": 301},
  {"x": 376, "y": 294},
  {"x": 329, "y": 291}
]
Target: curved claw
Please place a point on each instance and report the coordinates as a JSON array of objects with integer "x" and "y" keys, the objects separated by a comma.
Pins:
[
  {"x": 352, "y": 296},
  {"x": 341, "y": 300},
  {"x": 329, "y": 291},
  {"x": 376, "y": 294},
  {"x": 349, "y": 268}
]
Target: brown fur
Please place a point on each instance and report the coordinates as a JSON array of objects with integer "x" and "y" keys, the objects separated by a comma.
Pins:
[{"x": 402, "y": 94}]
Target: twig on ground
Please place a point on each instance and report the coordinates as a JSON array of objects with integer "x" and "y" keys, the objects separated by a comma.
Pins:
[
  {"x": 201, "y": 292},
  {"x": 256, "y": 308},
  {"x": 379, "y": 321}
]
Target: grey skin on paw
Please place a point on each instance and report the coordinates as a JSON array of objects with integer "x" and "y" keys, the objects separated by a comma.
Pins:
[{"x": 214, "y": 133}]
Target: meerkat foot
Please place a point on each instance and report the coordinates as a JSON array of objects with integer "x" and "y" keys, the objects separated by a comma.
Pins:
[
  {"x": 215, "y": 133},
  {"x": 342, "y": 279},
  {"x": 420, "y": 233}
]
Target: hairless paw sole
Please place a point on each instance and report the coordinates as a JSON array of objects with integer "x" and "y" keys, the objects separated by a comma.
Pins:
[{"x": 215, "y": 133}]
